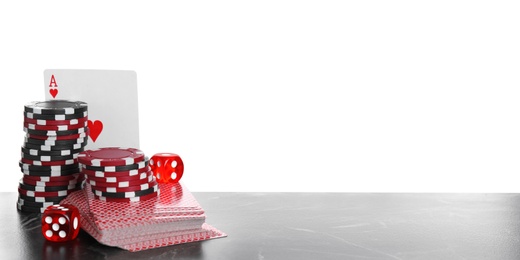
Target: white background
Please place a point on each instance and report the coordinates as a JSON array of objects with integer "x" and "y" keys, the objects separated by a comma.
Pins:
[{"x": 372, "y": 96}]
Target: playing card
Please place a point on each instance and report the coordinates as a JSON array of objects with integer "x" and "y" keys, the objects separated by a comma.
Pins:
[{"x": 112, "y": 102}]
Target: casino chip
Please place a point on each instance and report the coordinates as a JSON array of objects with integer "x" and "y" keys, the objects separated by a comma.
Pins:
[
  {"x": 56, "y": 131},
  {"x": 141, "y": 188},
  {"x": 56, "y": 117},
  {"x": 55, "y": 147},
  {"x": 52, "y": 179},
  {"x": 38, "y": 152},
  {"x": 28, "y": 187},
  {"x": 130, "y": 194},
  {"x": 24, "y": 208},
  {"x": 111, "y": 156},
  {"x": 56, "y": 107},
  {"x": 51, "y": 184},
  {"x": 133, "y": 199},
  {"x": 48, "y": 158},
  {"x": 119, "y": 183},
  {"x": 58, "y": 137},
  {"x": 135, "y": 166},
  {"x": 71, "y": 122},
  {"x": 115, "y": 174},
  {"x": 54, "y": 127},
  {"x": 50, "y": 163},
  {"x": 34, "y": 204},
  {"x": 138, "y": 177}
]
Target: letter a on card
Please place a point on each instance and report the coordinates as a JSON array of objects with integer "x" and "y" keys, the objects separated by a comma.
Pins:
[{"x": 112, "y": 102}]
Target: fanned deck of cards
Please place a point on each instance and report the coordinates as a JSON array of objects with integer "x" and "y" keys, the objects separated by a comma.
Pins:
[{"x": 174, "y": 217}]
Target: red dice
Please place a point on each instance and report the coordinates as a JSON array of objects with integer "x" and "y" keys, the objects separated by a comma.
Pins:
[
  {"x": 167, "y": 167},
  {"x": 60, "y": 223}
]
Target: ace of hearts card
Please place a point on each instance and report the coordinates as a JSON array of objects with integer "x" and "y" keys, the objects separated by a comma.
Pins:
[{"x": 111, "y": 95}]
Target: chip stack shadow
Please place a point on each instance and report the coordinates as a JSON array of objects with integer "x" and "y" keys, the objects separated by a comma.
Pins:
[{"x": 55, "y": 133}]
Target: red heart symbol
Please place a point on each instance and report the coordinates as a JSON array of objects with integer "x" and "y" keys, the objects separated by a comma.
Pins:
[
  {"x": 95, "y": 129},
  {"x": 54, "y": 92}
]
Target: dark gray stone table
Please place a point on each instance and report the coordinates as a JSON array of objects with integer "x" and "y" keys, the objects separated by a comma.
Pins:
[{"x": 310, "y": 226}]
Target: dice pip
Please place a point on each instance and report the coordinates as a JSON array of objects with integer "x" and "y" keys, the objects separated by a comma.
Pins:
[{"x": 60, "y": 223}]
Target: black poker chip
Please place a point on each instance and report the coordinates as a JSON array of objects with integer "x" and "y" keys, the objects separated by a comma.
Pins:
[
  {"x": 50, "y": 173},
  {"x": 38, "y": 152},
  {"x": 80, "y": 146},
  {"x": 81, "y": 140},
  {"x": 42, "y": 199},
  {"x": 55, "y": 133},
  {"x": 56, "y": 117},
  {"x": 35, "y": 204},
  {"x": 30, "y": 167},
  {"x": 121, "y": 168},
  {"x": 48, "y": 158},
  {"x": 131, "y": 194},
  {"x": 53, "y": 107},
  {"x": 28, "y": 209}
]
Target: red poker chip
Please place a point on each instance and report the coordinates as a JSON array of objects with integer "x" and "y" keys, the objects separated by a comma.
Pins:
[
  {"x": 62, "y": 193},
  {"x": 54, "y": 127},
  {"x": 141, "y": 187},
  {"x": 103, "y": 174},
  {"x": 52, "y": 178},
  {"x": 58, "y": 137},
  {"x": 134, "y": 199},
  {"x": 38, "y": 188},
  {"x": 140, "y": 176},
  {"x": 111, "y": 156},
  {"x": 51, "y": 183},
  {"x": 120, "y": 184},
  {"x": 70, "y": 122},
  {"x": 51, "y": 163}
]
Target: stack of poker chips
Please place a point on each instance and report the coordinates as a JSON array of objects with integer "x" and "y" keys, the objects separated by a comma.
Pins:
[
  {"x": 118, "y": 174},
  {"x": 56, "y": 132}
]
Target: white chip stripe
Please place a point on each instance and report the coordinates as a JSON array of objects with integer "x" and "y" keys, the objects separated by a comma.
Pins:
[{"x": 37, "y": 110}]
